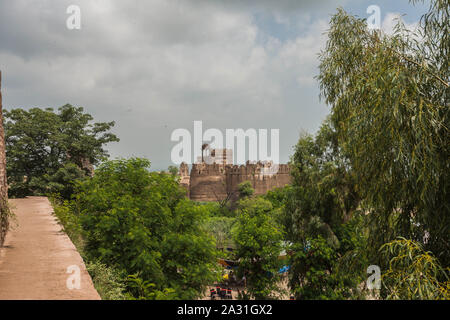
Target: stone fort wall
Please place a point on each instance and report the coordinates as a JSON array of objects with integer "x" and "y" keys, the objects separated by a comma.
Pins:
[{"x": 214, "y": 182}]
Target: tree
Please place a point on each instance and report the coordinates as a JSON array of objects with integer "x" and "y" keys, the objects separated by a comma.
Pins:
[
  {"x": 220, "y": 228},
  {"x": 323, "y": 194},
  {"x": 140, "y": 222},
  {"x": 313, "y": 272},
  {"x": 245, "y": 189},
  {"x": 321, "y": 219},
  {"x": 61, "y": 182},
  {"x": 40, "y": 143},
  {"x": 258, "y": 239},
  {"x": 188, "y": 252},
  {"x": 173, "y": 170},
  {"x": 389, "y": 98},
  {"x": 278, "y": 196}
]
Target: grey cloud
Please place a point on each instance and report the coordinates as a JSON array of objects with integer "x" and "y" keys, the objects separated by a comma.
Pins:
[
  {"x": 155, "y": 66},
  {"x": 282, "y": 5}
]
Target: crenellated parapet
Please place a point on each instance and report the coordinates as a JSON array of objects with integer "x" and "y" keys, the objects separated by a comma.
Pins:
[{"x": 213, "y": 182}]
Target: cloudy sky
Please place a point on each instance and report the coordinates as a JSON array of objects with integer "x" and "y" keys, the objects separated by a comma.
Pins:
[{"x": 155, "y": 66}]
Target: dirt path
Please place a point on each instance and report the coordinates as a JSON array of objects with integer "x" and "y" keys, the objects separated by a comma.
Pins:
[{"x": 36, "y": 256}]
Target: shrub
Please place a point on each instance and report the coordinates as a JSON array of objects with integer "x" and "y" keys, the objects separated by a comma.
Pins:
[{"x": 140, "y": 222}]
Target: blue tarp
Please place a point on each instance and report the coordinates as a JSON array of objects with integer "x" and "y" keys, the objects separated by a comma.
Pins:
[{"x": 284, "y": 269}]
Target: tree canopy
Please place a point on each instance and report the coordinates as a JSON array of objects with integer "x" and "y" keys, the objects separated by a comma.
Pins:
[
  {"x": 322, "y": 219},
  {"x": 258, "y": 240},
  {"x": 47, "y": 149},
  {"x": 389, "y": 98},
  {"x": 140, "y": 222}
]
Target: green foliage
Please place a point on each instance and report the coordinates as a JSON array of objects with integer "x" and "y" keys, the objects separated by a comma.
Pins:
[
  {"x": 6, "y": 215},
  {"x": 413, "y": 273},
  {"x": 216, "y": 209},
  {"x": 245, "y": 189},
  {"x": 322, "y": 271},
  {"x": 311, "y": 274},
  {"x": 47, "y": 150},
  {"x": 323, "y": 193},
  {"x": 145, "y": 290},
  {"x": 278, "y": 196},
  {"x": 258, "y": 239},
  {"x": 173, "y": 170},
  {"x": 69, "y": 220},
  {"x": 188, "y": 252},
  {"x": 61, "y": 182},
  {"x": 378, "y": 167},
  {"x": 108, "y": 282},
  {"x": 320, "y": 212},
  {"x": 139, "y": 221},
  {"x": 352, "y": 261},
  {"x": 220, "y": 228},
  {"x": 389, "y": 96}
]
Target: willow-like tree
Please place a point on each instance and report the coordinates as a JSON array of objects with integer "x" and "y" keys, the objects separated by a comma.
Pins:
[{"x": 389, "y": 98}]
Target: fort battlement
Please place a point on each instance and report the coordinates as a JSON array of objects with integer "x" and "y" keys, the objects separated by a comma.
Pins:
[{"x": 217, "y": 181}]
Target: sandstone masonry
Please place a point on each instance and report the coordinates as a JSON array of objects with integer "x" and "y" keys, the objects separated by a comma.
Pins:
[{"x": 217, "y": 181}]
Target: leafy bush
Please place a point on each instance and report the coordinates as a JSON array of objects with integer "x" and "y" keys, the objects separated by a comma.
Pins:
[
  {"x": 140, "y": 289},
  {"x": 258, "y": 240},
  {"x": 216, "y": 209},
  {"x": 140, "y": 222},
  {"x": 61, "y": 182},
  {"x": 108, "y": 282},
  {"x": 245, "y": 189},
  {"x": 315, "y": 275},
  {"x": 278, "y": 196},
  {"x": 220, "y": 228},
  {"x": 69, "y": 220}
]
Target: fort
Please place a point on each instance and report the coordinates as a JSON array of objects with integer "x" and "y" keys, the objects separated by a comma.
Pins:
[{"x": 217, "y": 179}]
